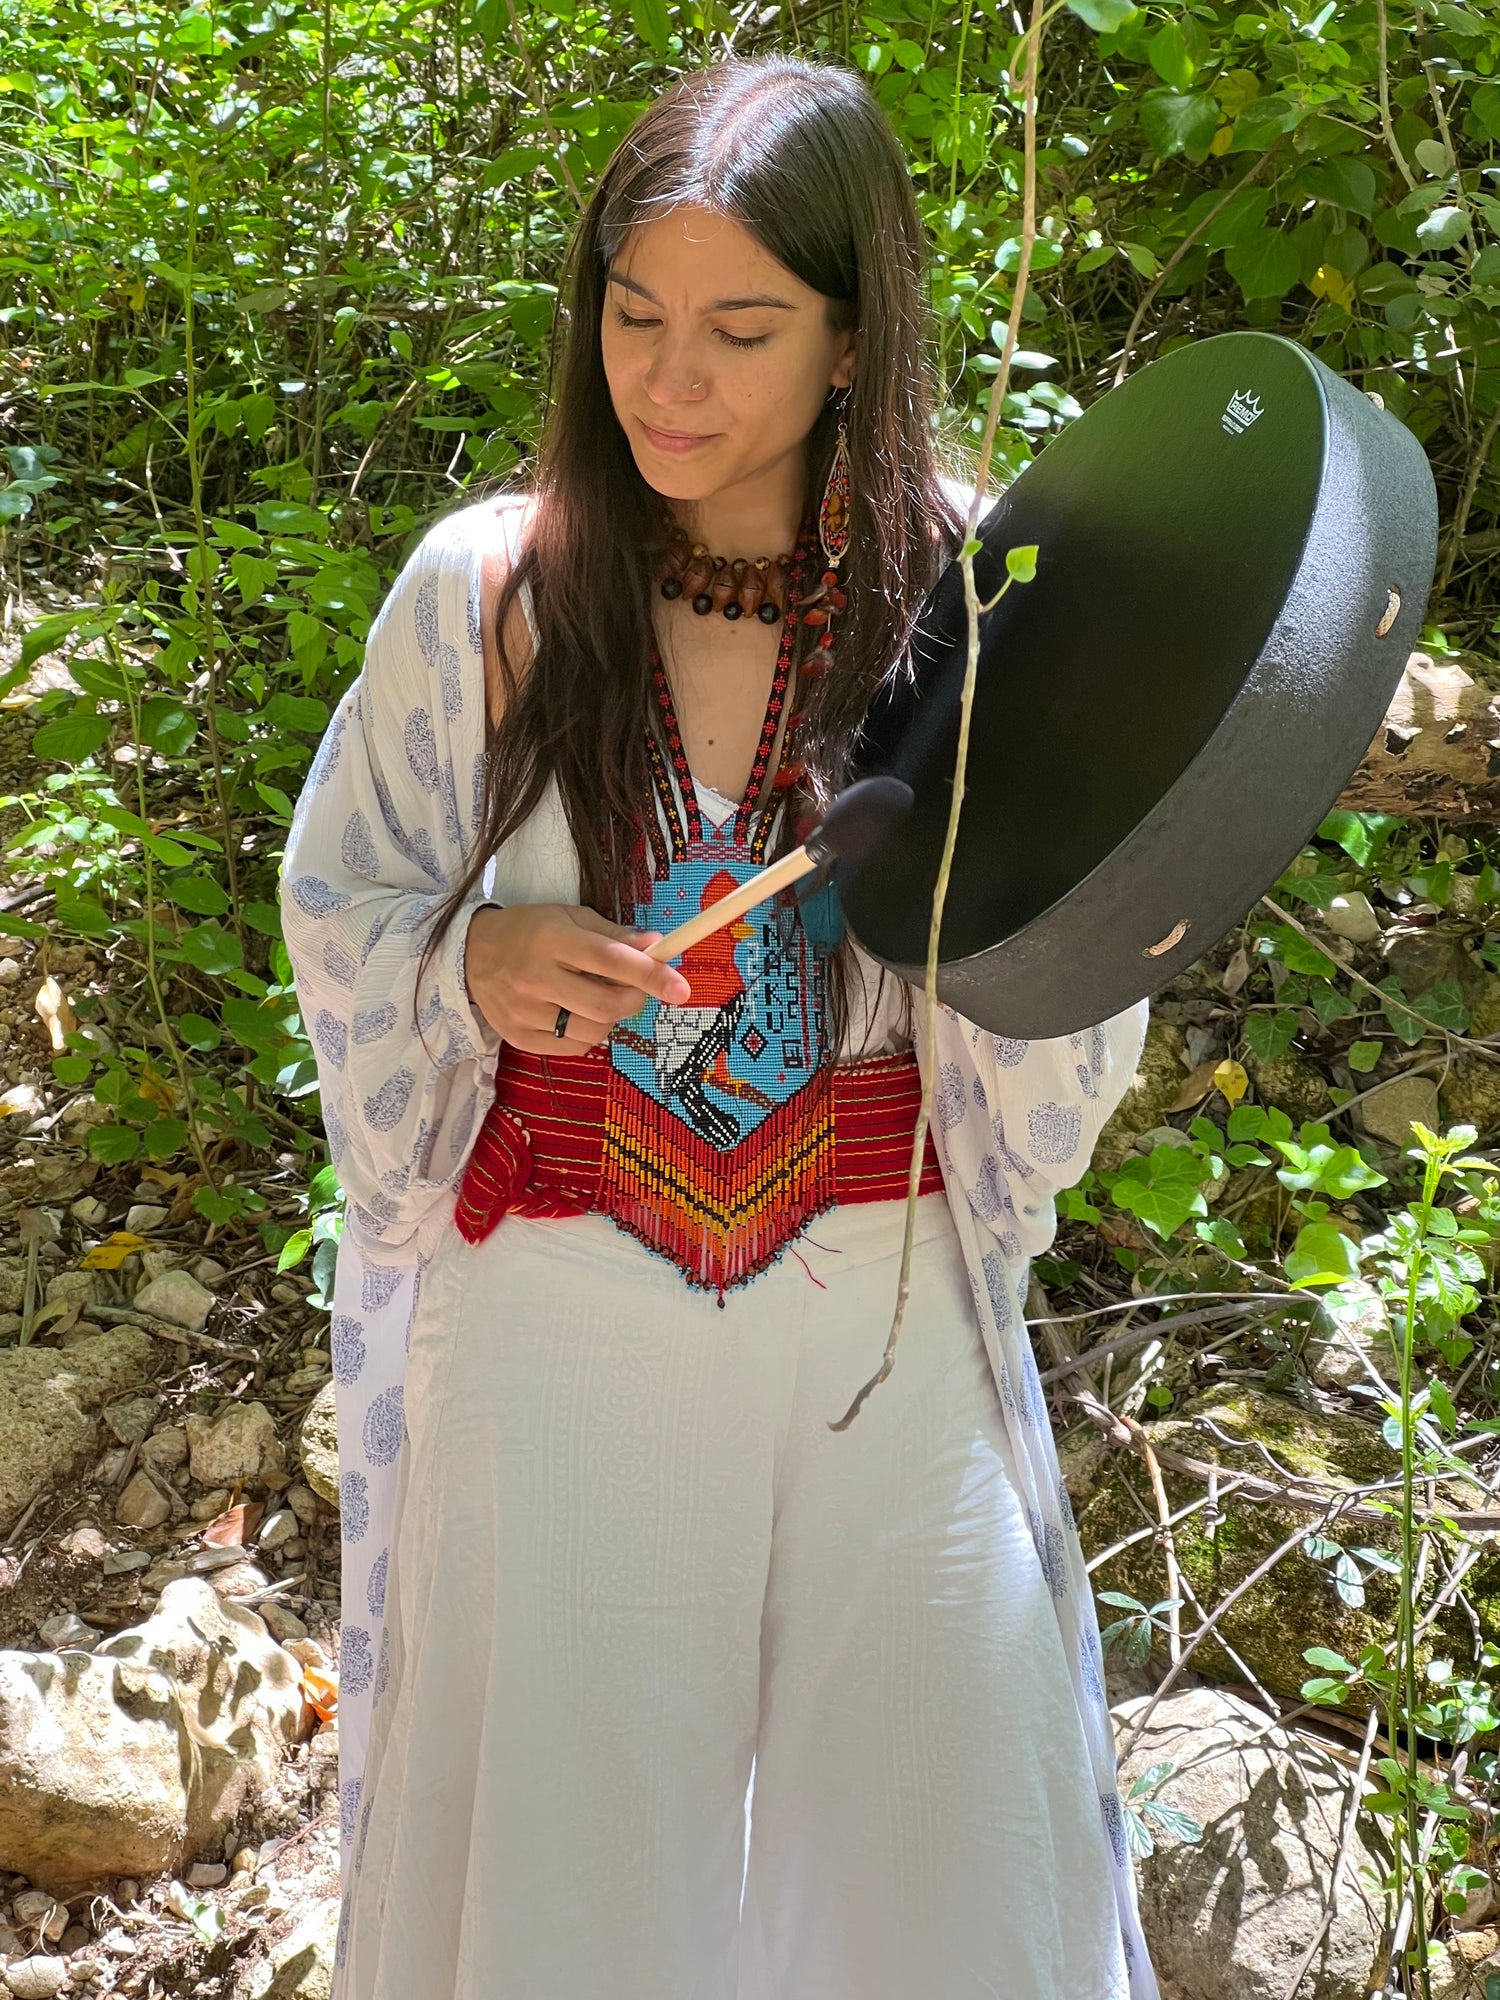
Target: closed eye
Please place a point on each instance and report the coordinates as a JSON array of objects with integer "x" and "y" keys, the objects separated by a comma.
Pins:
[{"x": 624, "y": 319}]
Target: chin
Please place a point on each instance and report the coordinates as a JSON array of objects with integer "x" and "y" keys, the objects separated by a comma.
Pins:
[{"x": 685, "y": 485}]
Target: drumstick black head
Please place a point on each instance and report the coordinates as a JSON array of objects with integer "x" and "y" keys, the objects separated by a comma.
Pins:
[{"x": 855, "y": 823}]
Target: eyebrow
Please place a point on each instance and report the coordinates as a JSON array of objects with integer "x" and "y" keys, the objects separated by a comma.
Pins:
[{"x": 718, "y": 305}]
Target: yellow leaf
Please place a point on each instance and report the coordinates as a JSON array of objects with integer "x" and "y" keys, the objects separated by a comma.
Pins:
[
  {"x": 155, "y": 1088},
  {"x": 112, "y": 1252},
  {"x": 1230, "y": 1078},
  {"x": 1329, "y": 282},
  {"x": 1219, "y": 143},
  {"x": 136, "y": 296}
]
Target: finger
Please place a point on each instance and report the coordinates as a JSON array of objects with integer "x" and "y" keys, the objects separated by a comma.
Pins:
[
  {"x": 580, "y": 1038},
  {"x": 542, "y": 1020},
  {"x": 614, "y": 960},
  {"x": 590, "y": 999}
]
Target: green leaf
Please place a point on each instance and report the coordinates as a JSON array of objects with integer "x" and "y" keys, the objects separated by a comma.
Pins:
[
  {"x": 277, "y": 800},
  {"x": 167, "y": 726},
  {"x": 113, "y": 1144},
  {"x": 165, "y": 1136},
  {"x": 1167, "y": 52},
  {"x": 72, "y": 1069},
  {"x": 198, "y": 893},
  {"x": 68, "y": 739},
  {"x": 1360, "y": 834},
  {"x": 1346, "y": 182},
  {"x": 1331, "y": 1003},
  {"x": 198, "y": 1031},
  {"x": 1363, "y": 1056},
  {"x": 1402, "y": 1021},
  {"x": 1442, "y": 228},
  {"x": 294, "y": 1249},
  {"x": 652, "y": 25},
  {"x": 1322, "y": 1656},
  {"x": 1270, "y": 1035},
  {"x": 1174, "y": 121},
  {"x": 263, "y": 917},
  {"x": 1104, "y": 16},
  {"x": 1322, "y": 1255},
  {"x": 1173, "y": 1820},
  {"x": 1300, "y": 954},
  {"x": 297, "y": 711},
  {"x": 1020, "y": 563},
  {"x": 288, "y": 517},
  {"x": 1444, "y": 1004},
  {"x": 1485, "y": 105},
  {"x": 1264, "y": 266},
  {"x": 211, "y": 948},
  {"x": 1161, "y": 1189}
]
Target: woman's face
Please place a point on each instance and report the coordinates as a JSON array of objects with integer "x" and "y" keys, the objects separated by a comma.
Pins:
[{"x": 706, "y": 335}]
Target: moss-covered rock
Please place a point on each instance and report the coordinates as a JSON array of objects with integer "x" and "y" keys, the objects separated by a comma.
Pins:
[
  {"x": 1293, "y": 1086},
  {"x": 1295, "y": 1605},
  {"x": 1471, "y": 1094},
  {"x": 1157, "y": 1080}
]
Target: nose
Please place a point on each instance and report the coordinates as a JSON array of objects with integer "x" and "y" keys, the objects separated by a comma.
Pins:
[{"x": 673, "y": 376}]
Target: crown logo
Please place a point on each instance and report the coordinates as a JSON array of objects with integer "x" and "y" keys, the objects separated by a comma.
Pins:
[{"x": 1241, "y": 411}]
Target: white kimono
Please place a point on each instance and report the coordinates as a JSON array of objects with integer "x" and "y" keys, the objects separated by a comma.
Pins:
[{"x": 380, "y": 830}]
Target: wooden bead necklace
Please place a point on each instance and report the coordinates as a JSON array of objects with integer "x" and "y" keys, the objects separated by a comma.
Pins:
[
  {"x": 741, "y": 588},
  {"x": 738, "y": 589}
]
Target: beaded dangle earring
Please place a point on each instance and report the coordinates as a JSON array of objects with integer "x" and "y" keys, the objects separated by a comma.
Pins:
[{"x": 819, "y": 608}]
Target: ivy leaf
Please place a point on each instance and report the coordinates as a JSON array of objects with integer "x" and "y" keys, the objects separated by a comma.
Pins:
[
  {"x": 1444, "y": 1004},
  {"x": 1403, "y": 1023},
  {"x": 1363, "y": 1056},
  {"x": 1271, "y": 1035},
  {"x": 1161, "y": 1189},
  {"x": 1331, "y": 1003},
  {"x": 1361, "y": 835},
  {"x": 1297, "y": 953}
]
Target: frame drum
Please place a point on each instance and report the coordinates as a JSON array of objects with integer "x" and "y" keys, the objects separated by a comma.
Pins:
[{"x": 1235, "y": 548}]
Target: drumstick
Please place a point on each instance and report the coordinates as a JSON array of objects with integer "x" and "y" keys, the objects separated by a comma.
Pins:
[{"x": 853, "y": 824}]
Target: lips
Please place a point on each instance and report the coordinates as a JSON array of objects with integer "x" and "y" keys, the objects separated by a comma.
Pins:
[{"x": 675, "y": 440}]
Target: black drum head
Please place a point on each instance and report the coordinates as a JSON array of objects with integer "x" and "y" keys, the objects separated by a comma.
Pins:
[{"x": 1234, "y": 553}]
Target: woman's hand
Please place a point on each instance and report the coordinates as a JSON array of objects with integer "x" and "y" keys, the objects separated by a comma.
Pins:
[{"x": 524, "y": 962}]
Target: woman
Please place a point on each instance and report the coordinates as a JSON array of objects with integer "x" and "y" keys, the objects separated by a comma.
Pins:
[{"x": 607, "y": 1568}]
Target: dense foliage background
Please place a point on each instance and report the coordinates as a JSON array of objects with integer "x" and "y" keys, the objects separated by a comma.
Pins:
[{"x": 280, "y": 286}]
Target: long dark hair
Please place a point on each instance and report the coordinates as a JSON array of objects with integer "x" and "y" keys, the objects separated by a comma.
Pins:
[{"x": 802, "y": 156}]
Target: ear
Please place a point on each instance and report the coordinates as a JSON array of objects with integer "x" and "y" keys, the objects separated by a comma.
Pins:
[{"x": 843, "y": 373}]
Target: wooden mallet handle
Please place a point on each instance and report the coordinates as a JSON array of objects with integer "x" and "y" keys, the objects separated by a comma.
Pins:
[{"x": 791, "y": 868}]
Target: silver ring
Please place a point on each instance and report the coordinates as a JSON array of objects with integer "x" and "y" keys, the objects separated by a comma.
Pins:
[{"x": 560, "y": 1027}]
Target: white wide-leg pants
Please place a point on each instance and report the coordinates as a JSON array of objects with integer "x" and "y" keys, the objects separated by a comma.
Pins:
[{"x": 631, "y": 1561}]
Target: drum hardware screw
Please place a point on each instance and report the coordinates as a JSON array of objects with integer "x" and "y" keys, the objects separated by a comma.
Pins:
[
  {"x": 1175, "y": 935},
  {"x": 1392, "y": 606}
]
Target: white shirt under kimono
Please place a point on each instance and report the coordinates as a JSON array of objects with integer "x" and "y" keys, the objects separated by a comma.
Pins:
[{"x": 380, "y": 831}]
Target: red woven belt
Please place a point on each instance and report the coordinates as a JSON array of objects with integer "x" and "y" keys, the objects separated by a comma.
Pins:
[{"x": 539, "y": 1151}]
